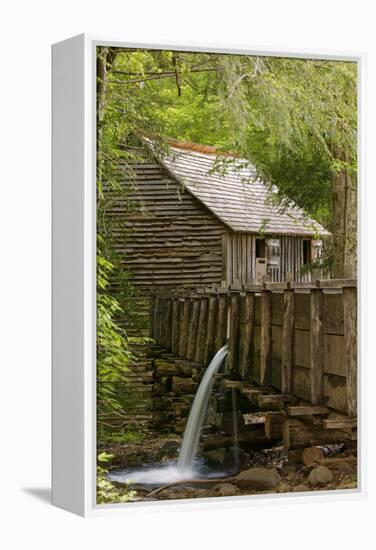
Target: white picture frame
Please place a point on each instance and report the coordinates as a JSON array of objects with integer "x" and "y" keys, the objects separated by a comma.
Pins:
[{"x": 74, "y": 276}]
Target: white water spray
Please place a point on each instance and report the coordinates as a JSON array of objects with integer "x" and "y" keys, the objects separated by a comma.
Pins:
[{"x": 197, "y": 413}]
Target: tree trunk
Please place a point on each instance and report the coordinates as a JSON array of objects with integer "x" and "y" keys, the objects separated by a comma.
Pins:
[
  {"x": 105, "y": 59},
  {"x": 344, "y": 227}
]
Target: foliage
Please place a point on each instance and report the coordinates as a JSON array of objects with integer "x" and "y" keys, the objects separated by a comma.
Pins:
[{"x": 107, "y": 493}]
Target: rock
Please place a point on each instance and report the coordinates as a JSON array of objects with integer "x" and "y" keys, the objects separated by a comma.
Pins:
[
  {"x": 345, "y": 468},
  {"x": 295, "y": 456},
  {"x": 170, "y": 449},
  {"x": 320, "y": 476},
  {"x": 224, "y": 490},
  {"x": 258, "y": 479},
  {"x": 288, "y": 469},
  {"x": 301, "y": 488},
  {"x": 312, "y": 455},
  {"x": 234, "y": 458},
  {"x": 215, "y": 455}
]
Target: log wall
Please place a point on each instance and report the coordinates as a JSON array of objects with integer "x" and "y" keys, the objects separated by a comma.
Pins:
[{"x": 298, "y": 337}]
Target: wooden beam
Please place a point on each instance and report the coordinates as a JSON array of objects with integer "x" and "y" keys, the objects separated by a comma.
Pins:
[
  {"x": 287, "y": 339},
  {"x": 317, "y": 351},
  {"x": 201, "y": 331},
  {"x": 307, "y": 410},
  {"x": 210, "y": 329},
  {"x": 193, "y": 326},
  {"x": 156, "y": 320},
  {"x": 247, "y": 314},
  {"x": 340, "y": 423},
  {"x": 266, "y": 337},
  {"x": 220, "y": 336},
  {"x": 175, "y": 326},
  {"x": 234, "y": 331},
  {"x": 183, "y": 326},
  {"x": 298, "y": 434},
  {"x": 168, "y": 323},
  {"x": 350, "y": 335}
]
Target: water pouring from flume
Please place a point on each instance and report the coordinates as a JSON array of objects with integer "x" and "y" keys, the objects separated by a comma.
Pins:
[
  {"x": 197, "y": 413},
  {"x": 186, "y": 467}
]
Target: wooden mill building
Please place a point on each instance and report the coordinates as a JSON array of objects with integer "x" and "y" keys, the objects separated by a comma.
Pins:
[{"x": 200, "y": 220}]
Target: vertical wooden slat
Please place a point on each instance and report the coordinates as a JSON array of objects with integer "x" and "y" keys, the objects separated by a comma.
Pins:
[
  {"x": 175, "y": 326},
  {"x": 210, "y": 329},
  {"x": 201, "y": 331},
  {"x": 183, "y": 326},
  {"x": 151, "y": 315},
  {"x": 162, "y": 321},
  {"x": 287, "y": 339},
  {"x": 193, "y": 325},
  {"x": 230, "y": 244},
  {"x": 247, "y": 313},
  {"x": 350, "y": 335},
  {"x": 224, "y": 257},
  {"x": 249, "y": 259},
  {"x": 168, "y": 322},
  {"x": 156, "y": 320},
  {"x": 317, "y": 348},
  {"x": 220, "y": 335},
  {"x": 266, "y": 337},
  {"x": 234, "y": 332}
]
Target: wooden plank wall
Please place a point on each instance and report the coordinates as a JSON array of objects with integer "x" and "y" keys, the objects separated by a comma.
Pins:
[
  {"x": 169, "y": 239},
  {"x": 292, "y": 336},
  {"x": 240, "y": 258}
]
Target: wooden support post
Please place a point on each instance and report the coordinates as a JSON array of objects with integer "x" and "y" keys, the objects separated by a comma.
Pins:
[
  {"x": 175, "y": 326},
  {"x": 317, "y": 348},
  {"x": 151, "y": 315},
  {"x": 162, "y": 322},
  {"x": 266, "y": 337},
  {"x": 287, "y": 340},
  {"x": 350, "y": 335},
  {"x": 183, "y": 326},
  {"x": 168, "y": 324},
  {"x": 201, "y": 331},
  {"x": 247, "y": 313},
  {"x": 234, "y": 332},
  {"x": 193, "y": 325},
  {"x": 220, "y": 336},
  {"x": 298, "y": 434},
  {"x": 210, "y": 329},
  {"x": 156, "y": 320}
]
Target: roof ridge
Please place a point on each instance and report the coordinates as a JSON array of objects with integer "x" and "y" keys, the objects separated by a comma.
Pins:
[{"x": 200, "y": 148}]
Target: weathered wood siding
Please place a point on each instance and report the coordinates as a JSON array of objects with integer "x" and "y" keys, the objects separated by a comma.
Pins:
[
  {"x": 170, "y": 239},
  {"x": 240, "y": 258},
  {"x": 293, "y": 338}
]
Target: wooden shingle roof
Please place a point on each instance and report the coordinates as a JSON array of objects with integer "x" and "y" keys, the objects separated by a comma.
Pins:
[{"x": 235, "y": 196}]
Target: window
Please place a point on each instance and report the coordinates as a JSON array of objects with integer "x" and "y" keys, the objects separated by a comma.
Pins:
[
  {"x": 307, "y": 254},
  {"x": 260, "y": 248}
]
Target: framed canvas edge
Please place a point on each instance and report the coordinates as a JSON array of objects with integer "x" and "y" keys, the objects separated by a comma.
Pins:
[{"x": 88, "y": 465}]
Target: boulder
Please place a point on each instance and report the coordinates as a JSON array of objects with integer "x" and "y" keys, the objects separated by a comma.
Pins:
[
  {"x": 320, "y": 476},
  {"x": 288, "y": 469},
  {"x": 224, "y": 490},
  {"x": 345, "y": 468},
  {"x": 312, "y": 455},
  {"x": 258, "y": 479}
]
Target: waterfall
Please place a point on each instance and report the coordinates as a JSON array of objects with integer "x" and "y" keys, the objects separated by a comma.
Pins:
[{"x": 197, "y": 413}]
